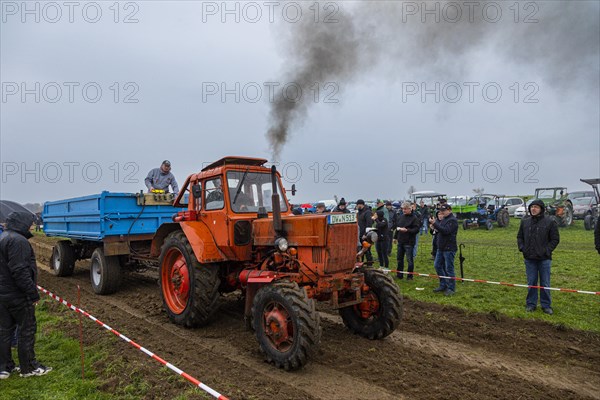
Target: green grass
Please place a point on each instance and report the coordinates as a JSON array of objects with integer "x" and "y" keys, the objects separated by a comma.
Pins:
[
  {"x": 493, "y": 255},
  {"x": 54, "y": 349}
]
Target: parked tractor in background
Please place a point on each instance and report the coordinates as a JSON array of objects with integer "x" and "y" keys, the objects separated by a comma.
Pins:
[
  {"x": 490, "y": 209},
  {"x": 233, "y": 230},
  {"x": 589, "y": 221},
  {"x": 557, "y": 204}
]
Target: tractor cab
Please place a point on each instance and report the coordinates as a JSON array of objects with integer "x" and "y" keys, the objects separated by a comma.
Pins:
[{"x": 225, "y": 197}]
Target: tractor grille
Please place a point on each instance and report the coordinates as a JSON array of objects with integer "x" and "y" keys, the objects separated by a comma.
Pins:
[
  {"x": 342, "y": 241},
  {"x": 317, "y": 255}
]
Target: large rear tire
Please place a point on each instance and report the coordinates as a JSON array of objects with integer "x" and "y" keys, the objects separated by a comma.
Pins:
[
  {"x": 588, "y": 222},
  {"x": 190, "y": 290},
  {"x": 105, "y": 272},
  {"x": 62, "y": 262},
  {"x": 503, "y": 218},
  {"x": 567, "y": 218},
  {"x": 381, "y": 311},
  {"x": 287, "y": 324}
]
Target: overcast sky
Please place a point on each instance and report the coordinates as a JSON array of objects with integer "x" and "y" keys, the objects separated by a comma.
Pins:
[{"x": 507, "y": 101}]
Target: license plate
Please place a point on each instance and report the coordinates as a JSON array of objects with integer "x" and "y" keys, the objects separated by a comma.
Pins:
[{"x": 333, "y": 219}]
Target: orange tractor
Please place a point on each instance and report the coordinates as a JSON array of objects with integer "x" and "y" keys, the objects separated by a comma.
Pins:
[{"x": 237, "y": 232}]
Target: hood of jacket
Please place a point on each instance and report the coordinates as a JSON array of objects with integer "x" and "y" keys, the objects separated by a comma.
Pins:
[
  {"x": 20, "y": 222},
  {"x": 540, "y": 203}
]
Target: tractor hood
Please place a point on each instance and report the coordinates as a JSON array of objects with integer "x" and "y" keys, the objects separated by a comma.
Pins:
[
  {"x": 305, "y": 230},
  {"x": 327, "y": 242}
]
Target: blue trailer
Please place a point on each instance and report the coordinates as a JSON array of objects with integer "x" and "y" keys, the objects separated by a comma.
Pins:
[{"x": 114, "y": 230}]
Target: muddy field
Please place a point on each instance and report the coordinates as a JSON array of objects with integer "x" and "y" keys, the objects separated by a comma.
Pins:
[{"x": 438, "y": 352}]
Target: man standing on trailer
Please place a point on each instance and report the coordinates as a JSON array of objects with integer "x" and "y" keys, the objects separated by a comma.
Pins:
[
  {"x": 161, "y": 178},
  {"x": 18, "y": 297}
]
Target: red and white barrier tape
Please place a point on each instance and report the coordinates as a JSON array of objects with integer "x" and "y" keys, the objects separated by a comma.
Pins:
[
  {"x": 191, "y": 379},
  {"x": 490, "y": 282}
]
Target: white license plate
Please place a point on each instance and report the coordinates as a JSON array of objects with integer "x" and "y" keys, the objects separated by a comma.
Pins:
[{"x": 333, "y": 219}]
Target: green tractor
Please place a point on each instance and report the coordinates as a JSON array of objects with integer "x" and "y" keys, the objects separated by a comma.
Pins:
[{"x": 557, "y": 204}]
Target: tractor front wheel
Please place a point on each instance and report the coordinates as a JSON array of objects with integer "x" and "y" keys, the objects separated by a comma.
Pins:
[
  {"x": 489, "y": 225},
  {"x": 380, "y": 312},
  {"x": 286, "y": 323},
  {"x": 466, "y": 224},
  {"x": 190, "y": 290}
]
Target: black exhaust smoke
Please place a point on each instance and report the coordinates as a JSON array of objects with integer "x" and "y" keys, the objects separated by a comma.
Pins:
[{"x": 558, "y": 39}]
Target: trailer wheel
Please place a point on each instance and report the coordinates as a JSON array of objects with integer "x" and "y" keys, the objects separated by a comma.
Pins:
[
  {"x": 190, "y": 290},
  {"x": 380, "y": 312},
  {"x": 62, "y": 262},
  {"x": 287, "y": 324},
  {"x": 105, "y": 272}
]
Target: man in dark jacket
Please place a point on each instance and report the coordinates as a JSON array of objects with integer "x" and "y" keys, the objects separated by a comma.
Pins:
[
  {"x": 424, "y": 211},
  {"x": 446, "y": 226},
  {"x": 18, "y": 296},
  {"x": 597, "y": 235},
  {"x": 364, "y": 221},
  {"x": 383, "y": 230},
  {"x": 537, "y": 238},
  {"x": 407, "y": 225},
  {"x": 390, "y": 218}
]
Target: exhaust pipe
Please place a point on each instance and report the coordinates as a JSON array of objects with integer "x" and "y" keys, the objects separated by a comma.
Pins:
[{"x": 277, "y": 226}]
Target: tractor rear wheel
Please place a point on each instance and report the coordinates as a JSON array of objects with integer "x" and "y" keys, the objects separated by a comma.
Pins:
[
  {"x": 190, "y": 290},
  {"x": 62, "y": 262},
  {"x": 567, "y": 218},
  {"x": 588, "y": 222},
  {"x": 380, "y": 312},
  {"x": 503, "y": 218},
  {"x": 105, "y": 272},
  {"x": 286, "y": 323}
]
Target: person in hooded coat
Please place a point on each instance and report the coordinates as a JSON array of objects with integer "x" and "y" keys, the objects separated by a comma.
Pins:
[
  {"x": 382, "y": 228},
  {"x": 18, "y": 297},
  {"x": 537, "y": 238}
]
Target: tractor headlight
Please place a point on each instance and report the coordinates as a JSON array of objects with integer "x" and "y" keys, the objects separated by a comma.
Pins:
[{"x": 281, "y": 244}]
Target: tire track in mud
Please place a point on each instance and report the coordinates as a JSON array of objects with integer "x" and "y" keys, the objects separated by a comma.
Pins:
[
  {"x": 425, "y": 359},
  {"x": 575, "y": 379},
  {"x": 314, "y": 381}
]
